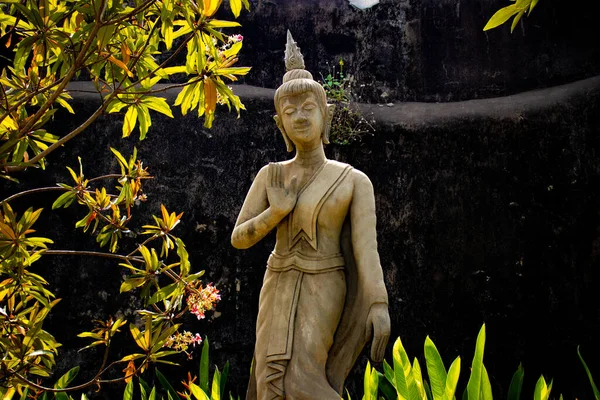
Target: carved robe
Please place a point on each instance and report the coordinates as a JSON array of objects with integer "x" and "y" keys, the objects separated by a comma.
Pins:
[{"x": 315, "y": 298}]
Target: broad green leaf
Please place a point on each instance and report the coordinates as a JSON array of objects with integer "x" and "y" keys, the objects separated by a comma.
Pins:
[
  {"x": 542, "y": 390},
  {"x": 501, "y": 16},
  {"x": 401, "y": 363},
  {"x": 435, "y": 369},
  {"x": 418, "y": 390},
  {"x": 486, "y": 386},
  {"x": 452, "y": 380},
  {"x": 474, "y": 384},
  {"x": 516, "y": 384},
  {"x": 386, "y": 386},
  {"x": 198, "y": 393},
  {"x": 128, "y": 393}
]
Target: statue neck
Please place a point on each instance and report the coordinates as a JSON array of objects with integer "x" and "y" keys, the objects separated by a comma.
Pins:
[{"x": 310, "y": 157}]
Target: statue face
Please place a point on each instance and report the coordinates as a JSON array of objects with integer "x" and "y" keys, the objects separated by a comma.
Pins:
[{"x": 302, "y": 119}]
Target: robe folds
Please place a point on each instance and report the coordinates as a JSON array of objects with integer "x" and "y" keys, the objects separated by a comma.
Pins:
[{"x": 313, "y": 307}]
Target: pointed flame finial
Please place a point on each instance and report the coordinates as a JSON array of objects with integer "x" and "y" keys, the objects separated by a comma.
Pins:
[{"x": 293, "y": 57}]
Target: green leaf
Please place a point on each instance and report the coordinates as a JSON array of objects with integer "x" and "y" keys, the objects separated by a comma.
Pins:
[
  {"x": 64, "y": 200},
  {"x": 128, "y": 393},
  {"x": 486, "y": 386},
  {"x": 144, "y": 120},
  {"x": 224, "y": 376},
  {"x": 452, "y": 380},
  {"x": 204, "y": 366},
  {"x": 131, "y": 283},
  {"x": 371, "y": 383},
  {"x": 435, "y": 369},
  {"x": 516, "y": 384},
  {"x": 589, "y": 374},
  {"x": 67, "y": 378},
  {"x": 501, "y": 16},
  {"x": 386, "y": 387},
  {"x": 216, "y": 386},
  {"x": 166, "y": 385},
  {"x": 542, "y": 391},
  {"x": 104, "y": 35},
  {"x": 401, "y": 364},
  {"x": 474, "y": 384}
]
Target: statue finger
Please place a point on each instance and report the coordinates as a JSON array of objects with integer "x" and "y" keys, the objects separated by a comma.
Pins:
[
  {"x": 294, "y": 185},
  {"x": 279, "y": 176},
  {"x": 270, "y": 174}
]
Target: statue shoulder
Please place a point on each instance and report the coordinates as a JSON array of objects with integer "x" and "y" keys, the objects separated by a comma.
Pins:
[{"x": 361, "y": 181}]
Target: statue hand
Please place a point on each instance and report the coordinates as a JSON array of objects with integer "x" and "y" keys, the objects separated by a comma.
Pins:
[
  {"x": 378, "y": 327},
  {"x": 282, "y": 199}
]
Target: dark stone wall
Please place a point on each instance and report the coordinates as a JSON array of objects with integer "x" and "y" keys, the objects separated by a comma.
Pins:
[
  {"x": 488, "y": 211},
  {"x": 423, "y": 50}
]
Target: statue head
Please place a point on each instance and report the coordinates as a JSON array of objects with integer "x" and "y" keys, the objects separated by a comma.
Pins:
[{"x": 298, "y": 81}]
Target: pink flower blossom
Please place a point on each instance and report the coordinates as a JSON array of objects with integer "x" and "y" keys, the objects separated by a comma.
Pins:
[{"x": 202, "y": 300}]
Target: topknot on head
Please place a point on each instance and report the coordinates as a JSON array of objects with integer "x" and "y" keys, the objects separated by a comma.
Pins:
[{"x": 296, "y": 74}]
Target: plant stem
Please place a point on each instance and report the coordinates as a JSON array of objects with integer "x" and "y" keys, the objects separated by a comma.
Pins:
[{"x": 92, "y": 253}]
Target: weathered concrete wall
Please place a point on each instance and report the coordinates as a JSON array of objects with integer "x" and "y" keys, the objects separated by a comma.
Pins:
[
  {"x": 488, "y": 210},
  {"x": 424, "y": 50}
]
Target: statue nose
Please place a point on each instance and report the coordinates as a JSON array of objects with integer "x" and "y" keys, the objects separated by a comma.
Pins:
[{"x": 300, "y": 116}]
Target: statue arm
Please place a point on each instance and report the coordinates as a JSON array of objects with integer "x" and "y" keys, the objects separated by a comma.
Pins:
[
  {"x": 256, "y": 218},
  {"x": 370, "y": 274}
]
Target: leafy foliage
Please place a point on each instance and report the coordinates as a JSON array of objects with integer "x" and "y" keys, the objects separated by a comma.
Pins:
[
  {"x": 166, "y": 284},
  {"x": 516, "y": 10},
  {"x": 348, "y": 124},
  {"x": 404, "y": 381},
  {"x": 116, "y": 44}
]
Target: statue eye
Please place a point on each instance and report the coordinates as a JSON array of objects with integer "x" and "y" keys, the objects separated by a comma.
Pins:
[
  {"x": 288, "y": 111},
  {"x": 309, "y": 107}
]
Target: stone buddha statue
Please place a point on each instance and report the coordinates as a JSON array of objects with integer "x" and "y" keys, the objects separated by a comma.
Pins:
[{"x": 323, "y": 296}]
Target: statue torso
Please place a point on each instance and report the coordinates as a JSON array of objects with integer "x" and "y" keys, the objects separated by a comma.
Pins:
[{"x": 312, "y": 230}]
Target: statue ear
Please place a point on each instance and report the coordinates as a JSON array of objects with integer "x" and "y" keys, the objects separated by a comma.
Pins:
[
  {"x": 328, "y": 118},
  {"x": 288, "y": 143}
]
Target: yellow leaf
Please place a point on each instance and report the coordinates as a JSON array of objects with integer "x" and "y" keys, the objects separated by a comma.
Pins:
[
  {"x": 501, "y": 16},
  {"x": 210, "y": 95},
  {"x": 121, "y": 65},
  {"x": 211, "y": 7},
  {"x": 130, "y": 121},
  {"x": 236, "y": 7}
]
